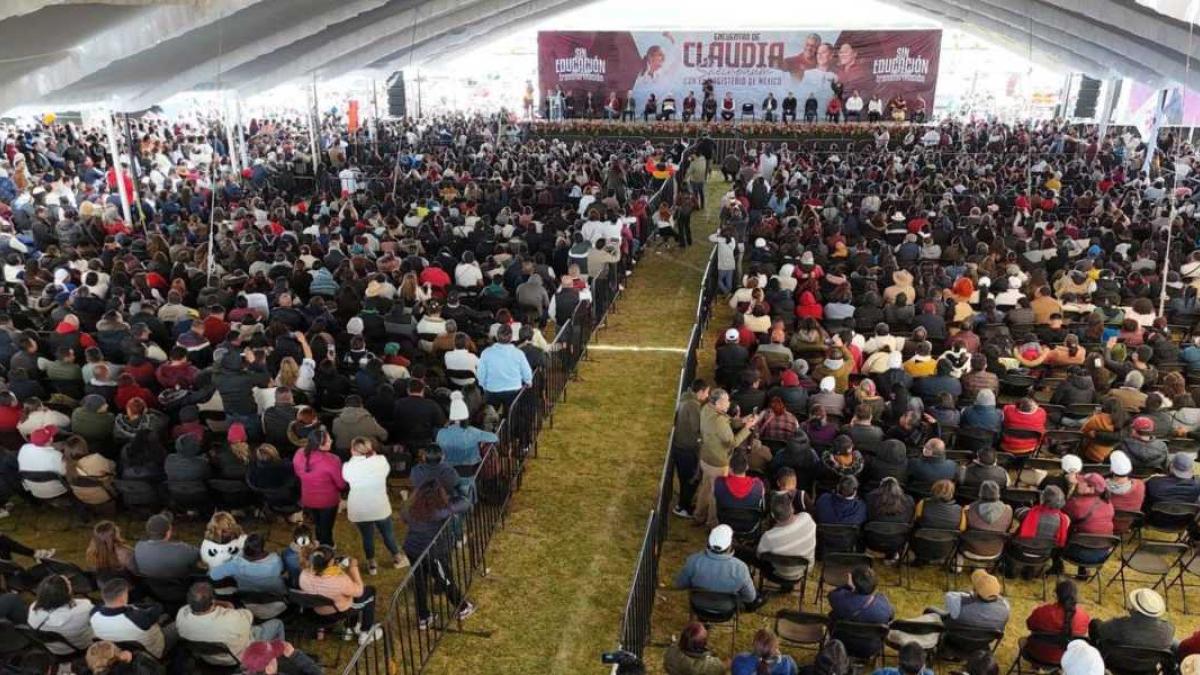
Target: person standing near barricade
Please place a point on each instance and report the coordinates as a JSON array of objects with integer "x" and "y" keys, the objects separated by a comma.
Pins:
[
  {"x": 717, "y": 441},
  {"x": 503, "y": 370}
]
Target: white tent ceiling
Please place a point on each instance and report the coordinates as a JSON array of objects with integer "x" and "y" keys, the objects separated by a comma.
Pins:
[{"x": 132, "y": 54}]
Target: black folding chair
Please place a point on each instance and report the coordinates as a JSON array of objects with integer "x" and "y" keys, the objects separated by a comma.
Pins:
[
  {"x": 1152, "y": 560},
  {"x": 1031, "y": 558},
  {"x": 973, "y": 439},
  {"x": 1133, "y": 660},
  {"x": 1059, "y": 442},
  {"x": 1027, "y": 652},
  {"x": 835, "y": 570},
  {"x": 212, "y": 656},
  {"x": 713, "y": 608},
  {"x": 1171, "y": 518},
  {"x": 838, "y": 539},
  {"x": 791, "y": 563},
  {"x": 889, "y": 540},
  {"x": 746, "y": 524},
  {"x": 958, "y": 643},
  {"x": 855, "y": 633},
  {"x": 933, "y": 547},
  {"x": 803, "y": 630},
  {"x": 308, "y": 620},
  {"x": 1092, "y": 544}
]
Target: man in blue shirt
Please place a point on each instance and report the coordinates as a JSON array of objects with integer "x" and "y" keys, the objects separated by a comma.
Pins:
[
  {"x": 715, "y": 569},
  {"x": 460, "y": 443},
  {"x": 503, "y": 370}
]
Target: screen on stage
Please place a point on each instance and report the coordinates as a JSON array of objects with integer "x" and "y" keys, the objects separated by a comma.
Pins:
[{"x": 746, "y": 64}]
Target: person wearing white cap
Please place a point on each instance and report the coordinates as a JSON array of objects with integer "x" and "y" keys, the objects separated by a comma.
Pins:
[
  {"x": 1124, "y": 492},
  {"x": 1080, "y": 658},
  {"x": 1145, "y": 626},
  {"x": 1071, "y": 465},
  {"x": 715, "y": 569},
  {"x": 732, "y": 359},
  {"x": 460, "y": 440}
]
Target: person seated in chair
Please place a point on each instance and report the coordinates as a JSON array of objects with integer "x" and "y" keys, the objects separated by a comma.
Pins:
[
  {"x": 984, "y": 607},
  {"x": 1147, "y": 453},
  {"x": 737, "y": 490},
  {"x": 932, "y": 465},
  {"x": 715, "y": 569},
  {"x": 793, "y": 534},
  {"x": 1144, "y": 628},
  {"x": 158, "y": 556},
  {"x": 119, "y": 621},
  {"x": 206, "y": 619},
  {"x": 857, "y": 601},
  {"x": 842, "y": 506},
  {"x": 277, "y": 656},
  {"x": 1179, "y": 485}
]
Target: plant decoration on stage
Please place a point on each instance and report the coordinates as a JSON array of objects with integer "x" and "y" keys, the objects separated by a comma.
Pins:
[{"x": 798, "y": 130}]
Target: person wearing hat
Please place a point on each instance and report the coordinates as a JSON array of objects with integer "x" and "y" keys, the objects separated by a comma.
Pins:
[
  {"x": 1178, "y": 485},
  {"x": 1090, "y": 512},
  {"x": 1081, "y": 658},
  {"x": 460, "y": 441},
  {"x": 839, "y": 363},
  {"x": 732, "y": 358},
  {"x": 983, "y": 608},
  {"x": 1125, "y": 492},
  {"x": 40, "y": 456},
  {"x": 1071, "y": 465},
  {"x": 1145, "y": 627},
  {"x": 718, "y": 439},
  {"x": 1145, "y": 451},
  {"x": 269, "y": 657},
  {"x": 716, "y": 569}
]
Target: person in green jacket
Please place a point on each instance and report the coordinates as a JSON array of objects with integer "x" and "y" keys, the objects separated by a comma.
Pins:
[{"x": 690, "y": 655}]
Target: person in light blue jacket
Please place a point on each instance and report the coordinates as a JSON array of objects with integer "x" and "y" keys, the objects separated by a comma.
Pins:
[{"x": 715, "y": 569}]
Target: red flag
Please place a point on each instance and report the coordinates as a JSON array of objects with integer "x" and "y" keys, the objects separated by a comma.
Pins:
[{"x": 353, "y": 115}]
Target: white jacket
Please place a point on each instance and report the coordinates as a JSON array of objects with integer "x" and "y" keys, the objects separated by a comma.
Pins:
[{"x": 367, "y": 477}]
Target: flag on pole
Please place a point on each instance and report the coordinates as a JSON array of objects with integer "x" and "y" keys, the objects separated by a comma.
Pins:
[
  {"x": 352, "y": 114},
  {"x": 1150, "y": 118}
]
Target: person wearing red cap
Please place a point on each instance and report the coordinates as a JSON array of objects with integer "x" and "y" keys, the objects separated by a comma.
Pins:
[
  {"x": 39, "y": 455},
  {"x": 277, "y": 656}
]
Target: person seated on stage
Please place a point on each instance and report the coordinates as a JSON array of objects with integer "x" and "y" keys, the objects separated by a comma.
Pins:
[
  {"x": 689, "y": 106},
  {"x": 668, "y": 108}
]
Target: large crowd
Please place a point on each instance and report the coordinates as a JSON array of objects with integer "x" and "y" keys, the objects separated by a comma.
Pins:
[
  {"x": 971, "y": 349},
  {"x": 275, "y": 343}
]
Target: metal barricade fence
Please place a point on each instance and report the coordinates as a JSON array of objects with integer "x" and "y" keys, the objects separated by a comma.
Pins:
[
  {"x": 445, "y": 571},
  {"x": 636, "y": 621}
]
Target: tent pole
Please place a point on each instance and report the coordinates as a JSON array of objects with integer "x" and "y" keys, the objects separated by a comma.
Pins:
[{"x": 118, "y": 175}]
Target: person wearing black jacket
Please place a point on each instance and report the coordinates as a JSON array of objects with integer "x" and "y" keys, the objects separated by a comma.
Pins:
[
  {"x": 789, "y": 108},
  {"x": 239, "y": 373},
  {"x": 277, "y": 418},
  {"x": 799, "y": 456},
  {"x": 769, "y": 106},
  {"x": 416, "y": 419}
]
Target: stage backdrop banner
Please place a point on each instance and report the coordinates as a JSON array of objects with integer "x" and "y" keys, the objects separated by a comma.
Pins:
[{"x": 746, "y": 64}]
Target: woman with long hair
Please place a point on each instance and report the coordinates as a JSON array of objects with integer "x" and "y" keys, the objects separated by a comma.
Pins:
[
  {"x": 1063, "y": 617},
  {"x": 889, "y": 503},
  {"x": 689, "y": 655},
  {"x": 56, "y": 610},
  {"x": 321, "y": 482},
  {"x": 83, "y": 463},
  {"x": 764, "y": 658},
  {"x": 337, "y": 577},
  {"x": 367, "y": 505},
  {"x": 426, "y": 516},
  {"x": 108, "y": 554}
]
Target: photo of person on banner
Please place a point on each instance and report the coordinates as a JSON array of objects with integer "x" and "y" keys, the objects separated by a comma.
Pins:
[
  {"x": 820, "y": 79},
  {"x": 660, "y": 68},
  {"x": 853, "y": 71}
]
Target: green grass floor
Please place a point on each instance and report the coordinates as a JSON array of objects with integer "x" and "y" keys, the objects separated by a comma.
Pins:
[{"x": 560, "y": 568}]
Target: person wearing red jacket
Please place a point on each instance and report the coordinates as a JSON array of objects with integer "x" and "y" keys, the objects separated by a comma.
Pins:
[
  {"x": 321, "y": 482},
  {"x": 1025, "y": 415},
  {"x": 1063, "y": 617},
  {"x": 1045, "y": 522},
  {"x": 128, "y": 389}
]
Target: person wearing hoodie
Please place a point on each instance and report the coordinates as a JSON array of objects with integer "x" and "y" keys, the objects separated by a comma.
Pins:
[
  {"x": 93, "y": 421},
  {"x": 799, "y": 456},
  {"x": 986, "y": 514},
  {"x": 368, "y": 506},
  {"x": 188, "y": 467},
  {"x": 842, "y": 506},
  {"x": 890, "y": 460},
  {"x": 716, "y": 569},
  {"x": 1077, "y": 389},
  {"x": 532, "y": 297},
  {"x": 895, "y": 376},
  {"x": 68, "y": 334},
  {"x": 983, "y": 468},
  {"x": 807, "y": 307},
  {"x": 354, "y": 421},
  {"x": 1147, "y": 453},
  {"x": 794, "y": 396},
  {"x": 737, "y": 490},
  {"x": 1125, "y": 492},
  {"x": 236, "y": 379}
]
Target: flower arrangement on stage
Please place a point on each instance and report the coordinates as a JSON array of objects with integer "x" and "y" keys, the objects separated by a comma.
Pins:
[{"x": 752, "y": 128}]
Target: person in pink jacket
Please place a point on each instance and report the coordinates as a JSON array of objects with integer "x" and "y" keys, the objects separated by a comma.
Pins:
[{"x": 321, "y": 482}]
